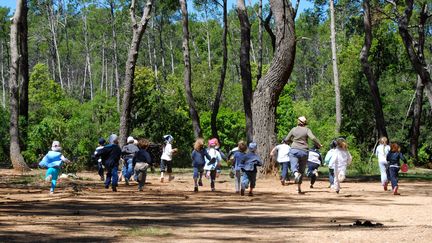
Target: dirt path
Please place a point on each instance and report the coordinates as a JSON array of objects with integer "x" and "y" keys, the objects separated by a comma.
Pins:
[{"x": 83, "y": 211}]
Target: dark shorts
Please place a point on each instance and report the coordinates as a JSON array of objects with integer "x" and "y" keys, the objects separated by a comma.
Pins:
[{"x": 166, "y": 166}]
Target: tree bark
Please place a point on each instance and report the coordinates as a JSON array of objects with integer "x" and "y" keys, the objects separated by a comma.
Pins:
[
  {"x": 216, "y": 103},
  {"x": 269, "y": 88},
  {"x": 2, "y": 73},
  {"x": 87, "y": 52},
  {"x": 269, "y": 30},
  {"x": 367, "y": 70},
  {"x": 138, "y": 29},
  {"x": 17, "y": 159},
  {"x": 245, "y": 68},
  {"x": 335, "y": 69},
  {"x": 417, "y": 60},
  {"x": 24, "y": 69},
  {"x": 415, "y": 128},
  {"x": 188, "y": 72}
]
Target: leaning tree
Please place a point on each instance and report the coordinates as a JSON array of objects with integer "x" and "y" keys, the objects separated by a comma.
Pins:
[{"x": 269, "y": 88}]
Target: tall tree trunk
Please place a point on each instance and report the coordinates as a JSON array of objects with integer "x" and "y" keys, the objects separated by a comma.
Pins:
[
  {"x": 417, "y": 59},
  {"x": 138, "y": 29},
  {"x": 87, "y": 50},
  {"x": 207, "y": 38},
  {"x": 53, "y": 29},
  {"x": 103, "y": 77},
  {"x": 162, "y": 49},
  {"x": 415, "y": 128},
  {"x": 260, "y": 40},
  {"x": 269, "y": 88},
  {"x": 172, "y": 56},
  {"x": 367, "y": 70},
  {"x": 153, "y": 42},
  {"x": 269, "y": 30},
  {"x": 17, "y": 159},
  {"x": 335, "y": 69},
  {"x": 245, "y": 68},
  {"x": 115, "y": 51},
  {"x": 188, "y": 72},
  {"x": 216, "y": 103},
  {"x": 418, "y": 106},
  {"x": 24, "y": 69}
]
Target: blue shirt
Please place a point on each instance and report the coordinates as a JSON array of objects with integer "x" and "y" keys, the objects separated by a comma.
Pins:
[
  {"x": 51, "y": 160},
  {"x": 250, "y": 161},
  {"x": 238, "y": 156},
  {"x": 198, "y": 157}
]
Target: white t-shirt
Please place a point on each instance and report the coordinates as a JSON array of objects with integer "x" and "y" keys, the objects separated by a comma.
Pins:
[
  {"x": 381, "y": 152},
  {"x": 167, "y": 152},
  {"x": 282, "y": 153},
  {"x": 213, "y": 154}
]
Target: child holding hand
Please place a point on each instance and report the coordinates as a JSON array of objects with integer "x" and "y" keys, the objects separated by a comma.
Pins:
[
  {"x": 393, "y": 158},
  {"x": 340, "y": 159},
  {"x": 249, "y": 162}
]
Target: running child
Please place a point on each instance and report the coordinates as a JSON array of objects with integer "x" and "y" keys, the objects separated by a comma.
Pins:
[
  {"x": 128, "y": 153},
  {"x": 142, "y": 161},
  {"x": 237, "y": 165},
  {"x": 393, "y": 158},
  {"x": 314, "y": 162},
  {"x": 329, "y": 163},
  {"x": 199, "y": 154},
  {"x": 213, "y": 163},
  {"x": 250, "y": 162},
  {"x": 283, "y": 159},
  {"x": 110, "y": 155},
  {"x": 54, "y": 161},
  {"x": 340, "y": 159},
  {"x": 101, "y": 144},
  {"x": 166, "y": 158},
  {"x": 381, "y": 153}
]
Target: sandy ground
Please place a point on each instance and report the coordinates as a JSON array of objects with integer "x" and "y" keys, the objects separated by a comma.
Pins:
[{"x": 84, "y": 211}]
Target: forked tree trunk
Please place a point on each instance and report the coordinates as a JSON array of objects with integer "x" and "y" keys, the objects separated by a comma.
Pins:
[
  {"x": 417, "y": 59},
  {"x": 245, "y": 68},
  {"x": 17, "y": 159},
  {"x": 188, "y": 72},
  {"x": 216, "y": 103},
  {"x": 269, "y": 88},
  {"x": 367, "y": 70},
  {"x": 335, "y": 69},
  {"x": 138, "y": 29}
]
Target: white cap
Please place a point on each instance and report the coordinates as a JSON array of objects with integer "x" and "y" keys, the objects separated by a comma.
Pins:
[
  {"x": 302, "y": 120},
  {"x": 55, "y": 146},
  {"x": 130, "y": 139}
]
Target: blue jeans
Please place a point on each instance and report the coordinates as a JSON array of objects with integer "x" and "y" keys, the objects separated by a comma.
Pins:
[
  {"x": 311, "y": 167},
  {"x": 111, "y": 175},
  {"x": 127, "y": 169},
  {"x": 53, "y": 172},
  {"x": 394, "y": 174},
  {"x": 198, "y": 172},
  {"x": 166, "y": 165},
  {"x": 248, "y": 177},
  {"x": 331, "y": 176},
  {"x": 298, "y": 160},
  {"x": 284, "y": 172}
]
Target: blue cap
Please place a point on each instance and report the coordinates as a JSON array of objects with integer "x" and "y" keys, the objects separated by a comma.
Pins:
[{"x": 253, "y": 146}]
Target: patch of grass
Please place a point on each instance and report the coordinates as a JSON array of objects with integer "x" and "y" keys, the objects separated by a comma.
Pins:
[{"x": 148, "y": 231}]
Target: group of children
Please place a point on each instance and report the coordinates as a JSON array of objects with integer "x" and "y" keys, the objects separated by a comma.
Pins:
[{"x": 243, "y": 159}]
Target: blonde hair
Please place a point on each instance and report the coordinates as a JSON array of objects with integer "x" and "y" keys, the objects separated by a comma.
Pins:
[
  {"x": 242, "y": 146},
  {"x": 342, "y": 143},
  {"x": 199, "y": 144},
  {"x": 383, "y": 140}
]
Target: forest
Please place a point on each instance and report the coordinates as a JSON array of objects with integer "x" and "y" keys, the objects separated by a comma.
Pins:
[{"x": 78, "y": 70}]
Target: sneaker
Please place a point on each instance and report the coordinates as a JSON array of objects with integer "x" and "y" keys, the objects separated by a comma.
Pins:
[
  {"x": 299, "y": 191},
  {"x": 315, "y": 172},
  {"x": 282, "y": 182},
  {"x": 385, "y": 187},
  {"x": 311, "y": 186},
  {"x": 140, "y": 188},
  {"x": 170, "y": 178},
  {"x": 395, "y": 191},
  {"x": 51, "y": 193},
  {"x": 126, "y": 181},
  {"x": 48, "y": 178},
  {"x": 114, "y": 189},
  {"x": 242, "y": 191},
  {"x": 213, "y": 189},
  {"x": 161, "y": 179},
  {"x": 297, "y": 177},
  {"x": 200, "y": 183},
  {"x": 102, "y": 178},
  {"x": 337, "y": 191},
  {"x": 250, "y": 194},
  {"x": 106, "y": 186},
  {"x": 196, "y": 189}
]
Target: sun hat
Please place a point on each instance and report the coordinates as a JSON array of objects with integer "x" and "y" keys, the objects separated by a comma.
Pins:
[
  {"x": 253, "y": 147},
  {"x": 130, "y": 139},
  {"x": 212, "y": 142},
  {"x": 113, "y": 138},
  {"x": 302, "y": 120},
  {"x": 55, "y": 146},
  {"x": 168, "y": 138}
]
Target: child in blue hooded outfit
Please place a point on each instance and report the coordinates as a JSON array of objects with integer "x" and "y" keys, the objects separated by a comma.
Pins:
[
  {"x": 110, "y": 155},
  {"x": 199, "y": 154},
  {"x": 53, "y": 160},
  {"x": 249, "y": 163},
  {"x": 237, "y": 156}
]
